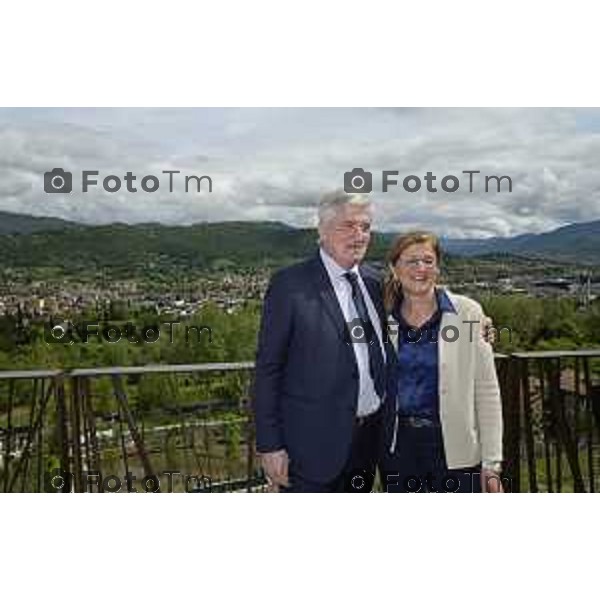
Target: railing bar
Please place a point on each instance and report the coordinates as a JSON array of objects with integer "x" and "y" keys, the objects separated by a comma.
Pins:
[
  {"x": 30, "y": 434},
  {"x": 62, "y": 425},
  {"x": 546, "y": 416},
  {"x": 91, "y": 415},
  {"x": 563, "y": 430},
  {"x": 123, "y": 445},
  {"x": 122, "y": 398},
  {"x": 75, "y": 433},
  {"x": 24, "y": 459},
  {"x": 590, "y": 423},
  {"x": 93, "y": 456},
  {"x": 7, "y": 449},
  {"x": 87, "y": 419},
  {"x": 529, "y": 442},
  {"x": 40, "y": 440},
  {"x": 575, "y": 413},
  {"x": 556, "y": 412},
  {"x": 512, "y": 417}
]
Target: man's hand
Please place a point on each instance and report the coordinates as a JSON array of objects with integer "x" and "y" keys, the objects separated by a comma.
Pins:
[
  {"x": 490, "y": 482},
  {"x": 488, "y": 331},
  {"x": 275, "y": 466}
]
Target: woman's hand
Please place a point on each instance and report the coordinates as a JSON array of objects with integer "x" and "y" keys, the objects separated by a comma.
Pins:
[
  {"x": 488, "y": 331},
  {"x": 490, "y": 482}
]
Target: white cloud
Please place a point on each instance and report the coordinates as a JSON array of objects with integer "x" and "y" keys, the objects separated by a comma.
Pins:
[{"x": 274, "y": 163}]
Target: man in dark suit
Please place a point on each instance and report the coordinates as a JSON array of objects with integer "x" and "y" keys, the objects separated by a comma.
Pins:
[{"x": 322, "y": 360}]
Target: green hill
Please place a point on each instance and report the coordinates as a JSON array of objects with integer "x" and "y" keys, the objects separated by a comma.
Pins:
[
  {"x": 38, "y": 242},
  {"x": 243, "y": 243}
]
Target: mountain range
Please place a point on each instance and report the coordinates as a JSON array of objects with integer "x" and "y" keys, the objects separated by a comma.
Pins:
[
  {"x": 44, "y": 241},
  {"x": 578, "y": 242}
]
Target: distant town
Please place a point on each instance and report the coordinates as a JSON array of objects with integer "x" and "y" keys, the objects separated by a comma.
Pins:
[
  {"x": 184, "y": 294},
  {"x": 68, "y": 296},
  {"x": 58, "y": 268}
]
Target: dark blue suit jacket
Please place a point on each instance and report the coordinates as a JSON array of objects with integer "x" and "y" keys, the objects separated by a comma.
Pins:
[{"x": 306, "y": 380}]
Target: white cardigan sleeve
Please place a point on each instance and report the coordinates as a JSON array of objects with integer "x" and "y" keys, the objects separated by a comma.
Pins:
[{"x": 488, "y": 404}]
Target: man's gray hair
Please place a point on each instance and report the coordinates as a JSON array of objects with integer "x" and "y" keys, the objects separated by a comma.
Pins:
[{"x": 332, "y": 202}]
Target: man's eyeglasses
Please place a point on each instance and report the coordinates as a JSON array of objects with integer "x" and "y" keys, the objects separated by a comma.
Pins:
[
  {"x": 413, "y": 263},
  {"x": 354, "y": 227}
]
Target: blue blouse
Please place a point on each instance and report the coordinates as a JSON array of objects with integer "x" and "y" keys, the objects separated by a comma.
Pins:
[{"x": 418, "y": 362}]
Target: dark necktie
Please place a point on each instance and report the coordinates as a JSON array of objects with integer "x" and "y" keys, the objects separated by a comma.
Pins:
[{"x": 376, "y": 364}]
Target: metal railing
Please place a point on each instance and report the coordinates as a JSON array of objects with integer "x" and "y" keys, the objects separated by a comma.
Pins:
[
  {"x": 189, "y": 427},
  {"x": 95, "y": 429},
  {"x": 552, "y": 420}
]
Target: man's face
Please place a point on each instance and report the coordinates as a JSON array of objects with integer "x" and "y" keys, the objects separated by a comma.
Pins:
[{"x": 346, "y": 236}]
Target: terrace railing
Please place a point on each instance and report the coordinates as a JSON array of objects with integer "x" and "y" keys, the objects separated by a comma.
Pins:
[{"x": 189, "y": 427}]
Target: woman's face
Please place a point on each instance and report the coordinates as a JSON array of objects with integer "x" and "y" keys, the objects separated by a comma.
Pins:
[{"x": 417, "y": 269}]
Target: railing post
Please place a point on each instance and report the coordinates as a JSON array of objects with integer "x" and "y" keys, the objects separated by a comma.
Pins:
[
  {"x": 512, "y": 422},
  {"x": 8, "y": 436},
  {"x": 75, "y": 433},
  {"x": 569, "y": 442},
  {"x": 122, "y": 399},
  {"x": 529, "y": 440}
]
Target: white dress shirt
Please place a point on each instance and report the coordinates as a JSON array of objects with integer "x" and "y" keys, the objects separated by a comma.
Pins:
[{"x": 368, "y": 400}]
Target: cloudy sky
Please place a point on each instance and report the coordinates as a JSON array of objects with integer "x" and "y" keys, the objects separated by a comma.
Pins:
[{"x": 273, "y": 164}]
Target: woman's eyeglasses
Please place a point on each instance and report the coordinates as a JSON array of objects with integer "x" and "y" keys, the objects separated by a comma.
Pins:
[{"x": 413, "y": 263}]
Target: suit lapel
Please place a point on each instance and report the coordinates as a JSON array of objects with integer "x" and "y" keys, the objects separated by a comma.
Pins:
[{"x": 329, "y": 299}]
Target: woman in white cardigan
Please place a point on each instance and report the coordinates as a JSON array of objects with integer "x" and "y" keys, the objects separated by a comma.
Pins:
[{"x": 443, "y": 432}]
